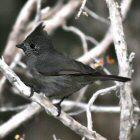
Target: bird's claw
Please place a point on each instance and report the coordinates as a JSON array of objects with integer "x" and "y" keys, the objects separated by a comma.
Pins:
[
  {"x": 59, "y": 108},
  {"x": 58, "y": 105},
  {"x": 32, "y": 92}
]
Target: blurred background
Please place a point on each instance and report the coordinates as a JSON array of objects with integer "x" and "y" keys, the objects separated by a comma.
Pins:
[{"x": 42, "y": 126}]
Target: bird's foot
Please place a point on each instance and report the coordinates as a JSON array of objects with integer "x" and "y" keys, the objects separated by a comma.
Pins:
[
  {"x": 58, "y": 105},
  {"x": 32, "y": 92},
  {"x": 34, "y": 89}
]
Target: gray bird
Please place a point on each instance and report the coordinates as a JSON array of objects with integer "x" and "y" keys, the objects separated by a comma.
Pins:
[{"x": 56, "y": 74}]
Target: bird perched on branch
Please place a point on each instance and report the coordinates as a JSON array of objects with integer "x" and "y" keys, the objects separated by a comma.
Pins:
[{"x": 56, "y": 74}]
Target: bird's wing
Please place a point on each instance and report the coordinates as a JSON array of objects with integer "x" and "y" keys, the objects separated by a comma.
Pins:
[
  {"x": 57, "y": 65},
  {"x": 61, "y": 65}
]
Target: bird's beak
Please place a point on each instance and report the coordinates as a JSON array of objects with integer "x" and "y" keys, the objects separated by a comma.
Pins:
[{"x": 21, "y": 46}]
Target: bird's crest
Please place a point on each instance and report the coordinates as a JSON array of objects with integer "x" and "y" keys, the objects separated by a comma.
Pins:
[
  {"x": 39, "y": 28},
  {"x": 38, "y": 31}
]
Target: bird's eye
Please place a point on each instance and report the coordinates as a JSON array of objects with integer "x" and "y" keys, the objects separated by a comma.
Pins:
[{"x": 32, "y": 46}]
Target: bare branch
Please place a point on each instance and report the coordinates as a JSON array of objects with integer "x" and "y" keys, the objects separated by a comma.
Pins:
[{"x": 127, "y": 108}]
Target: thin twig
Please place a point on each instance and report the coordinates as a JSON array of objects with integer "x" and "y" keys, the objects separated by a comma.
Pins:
[
  {"x": 23, "y": 65},
  {"x": 54, "y": 137},
  {"x": 81, "y": 93},
  {"x": 80, "y": 34},
  {"x": 92, "y": 100},
  {"x": 13, "y": 109},
  {"x": 92, "y": 40},
  {"x": 95, "y": 16},
  {"x": 81, "y": 8},
  {"x": 94, "y": 108}
]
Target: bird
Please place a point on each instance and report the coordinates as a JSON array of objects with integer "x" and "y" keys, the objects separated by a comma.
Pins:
[{"x": 57, "y": 75}]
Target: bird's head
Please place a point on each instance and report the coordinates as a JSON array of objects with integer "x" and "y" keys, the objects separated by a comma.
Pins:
[{"x": 37, "y": 42}]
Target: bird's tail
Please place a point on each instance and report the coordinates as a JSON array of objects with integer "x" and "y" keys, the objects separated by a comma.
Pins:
[{"x": 112, "y": 77}]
